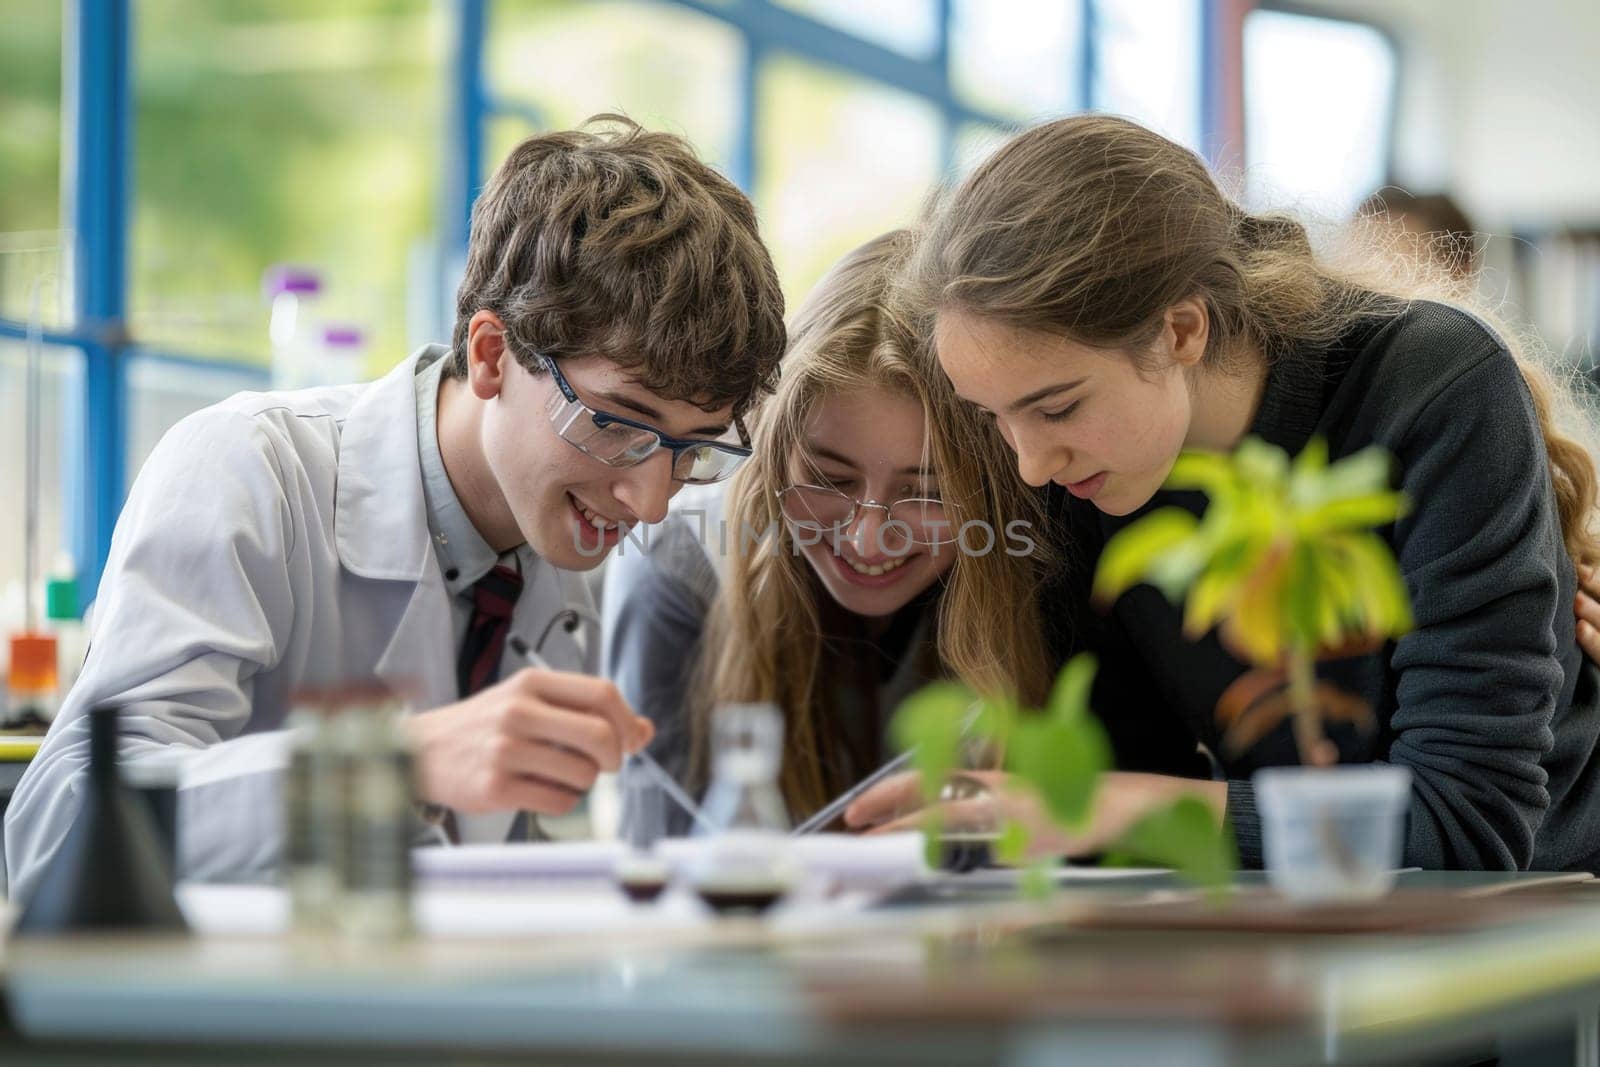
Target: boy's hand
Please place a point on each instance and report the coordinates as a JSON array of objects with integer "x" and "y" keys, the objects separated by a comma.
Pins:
[{"x": 534, "y": 741}]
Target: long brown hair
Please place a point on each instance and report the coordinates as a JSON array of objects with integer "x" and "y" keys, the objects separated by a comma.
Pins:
[
  {"x": 768, "y": 634},
  {"x": 1094, "y": 226}
]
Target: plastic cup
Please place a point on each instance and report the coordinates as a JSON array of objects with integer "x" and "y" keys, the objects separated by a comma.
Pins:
[{"x": 1332, "y": 833}]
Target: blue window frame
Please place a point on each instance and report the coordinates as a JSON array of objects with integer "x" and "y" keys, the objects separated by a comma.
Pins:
[
  {"x": 930, "y": 70},
  {"x": 95, "y": 122}
]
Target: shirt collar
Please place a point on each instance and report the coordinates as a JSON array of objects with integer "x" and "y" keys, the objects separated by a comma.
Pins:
[{"x": 464, "y": 556}]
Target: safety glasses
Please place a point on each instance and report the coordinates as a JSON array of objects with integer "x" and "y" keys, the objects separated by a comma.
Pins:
[{"x": 618, "y": 441}]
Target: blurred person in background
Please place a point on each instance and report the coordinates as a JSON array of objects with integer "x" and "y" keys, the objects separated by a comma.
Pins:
[{"x": 1431, "y": 224}]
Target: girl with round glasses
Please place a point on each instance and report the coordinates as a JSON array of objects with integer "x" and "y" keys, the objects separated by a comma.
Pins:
[{"x": 858, "y": 554}]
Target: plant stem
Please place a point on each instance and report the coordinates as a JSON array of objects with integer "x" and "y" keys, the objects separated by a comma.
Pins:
[
  {"x": 1303, "y": 701},
  {"x": 1308, "y": 739}
]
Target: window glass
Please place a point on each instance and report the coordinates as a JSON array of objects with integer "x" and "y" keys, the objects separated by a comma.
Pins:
[
  {"x": 561, "y": 61},
  {"x": 30, "y": 159},
  {"x": 59, "y": 386},
  {"x": 841, "y": 160},
  {"x": 300, "y": 131},
  {"x": 1020, "y": 58},
  {"x": 1318, "y": 97},
  {"x": 1147, "y": 64},
  {"x": 907, "y": 26},
  {"x": 975, "y": 142}
]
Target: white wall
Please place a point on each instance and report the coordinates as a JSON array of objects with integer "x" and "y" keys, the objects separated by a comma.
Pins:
[{"x": 1500, "y": 102}]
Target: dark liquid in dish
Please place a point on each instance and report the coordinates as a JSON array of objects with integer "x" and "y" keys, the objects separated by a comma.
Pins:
[
  {"x": 642, "y": 890},
  {"x": 746, "y": 899}
]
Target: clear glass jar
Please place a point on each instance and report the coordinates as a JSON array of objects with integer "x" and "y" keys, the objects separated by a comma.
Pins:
[{"x": 746, "y": 862}]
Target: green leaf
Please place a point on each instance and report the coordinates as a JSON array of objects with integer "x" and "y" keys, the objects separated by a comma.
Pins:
[
  {"x": 1260, "y": 464},
  {"x": 1129, "y": 556},
  {"x": 1185, "y": 836},
  {"x": 1353, "y": 513},
  {"x": 1174, "y": 572},
  {"x": 1336, "y": 607},
  {"x": 933, "y": 838},
  {"x": 1011, "y": 847},
  {"x": 1386, "y": 605},
  {"x": 1303, "y": 596},
  {"x": 1255, "y": 622},
  {"x": 1206, "y": 602},
  {"x": 1236, "y": 553},
  {"x": 1365, "y": 472},
  {"x": 994, "y": 719},
  {"x": 1312, "y": 460},
  {"x": 928, "y": 723},
  {"x": 1062, "y": 761},
  {"x": 1211, "y": 472},
  {"x": 1217, "y": 588},
  {"x": 1038, "y": 882},
  {"x": 1069, "y": 699}
]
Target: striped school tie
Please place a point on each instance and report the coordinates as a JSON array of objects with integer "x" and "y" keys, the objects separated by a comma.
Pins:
[{"x": 494, "y": 597}]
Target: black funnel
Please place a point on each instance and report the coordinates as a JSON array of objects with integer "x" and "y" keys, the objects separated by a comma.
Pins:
[{"x": 110, "y": 873}]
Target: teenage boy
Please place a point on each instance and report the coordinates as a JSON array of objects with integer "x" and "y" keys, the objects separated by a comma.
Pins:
[{"x": 618, "y": 315}]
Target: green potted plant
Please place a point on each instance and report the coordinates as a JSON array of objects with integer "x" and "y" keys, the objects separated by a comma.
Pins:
[{"x": 1285, "y": 561}]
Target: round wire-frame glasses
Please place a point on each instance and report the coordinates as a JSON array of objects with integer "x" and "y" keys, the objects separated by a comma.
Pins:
[{"x": 819, "y": 509}]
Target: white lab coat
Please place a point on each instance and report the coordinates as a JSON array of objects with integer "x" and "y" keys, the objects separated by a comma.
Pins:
[{"x": 271, "y": 542}]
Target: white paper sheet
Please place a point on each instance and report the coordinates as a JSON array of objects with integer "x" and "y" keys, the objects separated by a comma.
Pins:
[
  {"x": 263, "y": 911},
  {"x": 574, "y": 909},
  {"x": 844, "y": 862}
]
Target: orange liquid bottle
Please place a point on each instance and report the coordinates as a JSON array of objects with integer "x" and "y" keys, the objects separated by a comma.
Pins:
[{"x": 32, "y": 680}]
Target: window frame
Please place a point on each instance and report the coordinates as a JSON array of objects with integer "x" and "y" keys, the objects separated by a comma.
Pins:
[{"x": 767, "y": 29}]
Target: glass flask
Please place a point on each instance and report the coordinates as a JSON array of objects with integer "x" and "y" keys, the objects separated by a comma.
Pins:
[{"x": 746, "y": 862}]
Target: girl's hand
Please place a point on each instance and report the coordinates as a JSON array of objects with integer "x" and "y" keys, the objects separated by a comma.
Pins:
[
  {"x": 1122, "y": 799},
  {"x": 1587, "y": 607}
]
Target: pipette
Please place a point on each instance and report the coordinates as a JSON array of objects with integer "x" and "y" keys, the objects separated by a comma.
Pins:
[{"x": 669, "y": 785}]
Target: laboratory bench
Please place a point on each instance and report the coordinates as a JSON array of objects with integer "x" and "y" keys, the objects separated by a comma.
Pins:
[{"x": 1451, "y": 968}]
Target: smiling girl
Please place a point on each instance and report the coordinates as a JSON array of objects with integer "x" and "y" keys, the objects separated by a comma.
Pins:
[
  {"x": 886, "y": 559},
  {"x": 1092, "y": 290}
]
